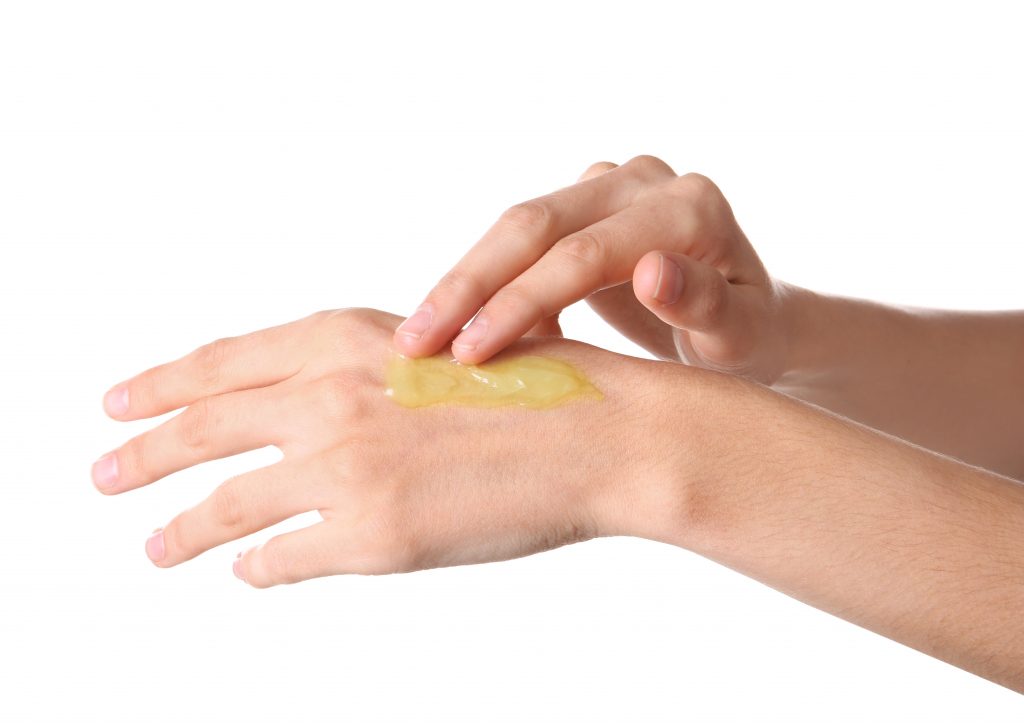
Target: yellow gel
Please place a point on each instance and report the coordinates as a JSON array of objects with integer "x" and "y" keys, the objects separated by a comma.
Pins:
[{"x": 530, "y": 381}]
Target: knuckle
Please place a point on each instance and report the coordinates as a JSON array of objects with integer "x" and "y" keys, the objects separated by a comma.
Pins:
[
  {"x": 227, "y": 506},
  {"x": 209, "y": 361},
  {"x": 340, "y": 396},
  {"x": 146, "y": 388},
  {"x": 596, "y": 169},
  {"x": 183, "y": 538},
  {"x": 347, "y": 333},
  {"x": 349, "y": 320},
  {"x": 649, "y": 166},
  {"x": 331, "y": 394},
  {"x": 196, "y": 423},
  {"x": 457, "y": 283},
  {"x": 132, "y": 459},
  {"x": 696, "y": 187},
  {"x": 583, "y": 248},
  {"x": 176, "y": 541},
  {"x": 515, "y": 297},
  {"x": 276, "y": 565},
  {"x": 272, "y": 564},
  {"x": 713, "y": 302},
  {"x": 322, "y": 318},
  {"x": 535, "y": 216}
]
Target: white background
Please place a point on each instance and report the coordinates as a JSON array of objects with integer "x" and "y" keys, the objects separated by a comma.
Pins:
[{"x": 175, "y": 172}]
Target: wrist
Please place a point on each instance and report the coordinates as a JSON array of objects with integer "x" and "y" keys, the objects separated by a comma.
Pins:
[
  {"x": 686, "y": 428},
  {"x": 807, "y": 323},
  {"x": 832, "y": 341},
  {"x": 625, "y": 444},
  {"x": 713, "y": 447}
]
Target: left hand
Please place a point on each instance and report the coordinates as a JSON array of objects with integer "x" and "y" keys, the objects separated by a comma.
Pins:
[
  {"x": 398, "y": 489},
  {"x": 659, "y": 256}
]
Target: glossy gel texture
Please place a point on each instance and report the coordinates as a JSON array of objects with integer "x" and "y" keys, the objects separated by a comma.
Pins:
[{"x": 530, "y": 381}]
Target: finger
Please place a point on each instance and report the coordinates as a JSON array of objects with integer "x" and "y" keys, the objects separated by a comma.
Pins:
[
  {"x": 238, "y": 507},
  {"x": 597, "y": 169},
  {"x": 232, "y": 363},
  {"x": 522, "y": 235},
  {"x": 211, "y": 428},
  {"x": 288, "y": 558},
  {"x": 620, "y": 308},
  {"x": 578, "y": 265},
  {"x": 688, "y": 294},
  {"x": 548, "y": 327}
]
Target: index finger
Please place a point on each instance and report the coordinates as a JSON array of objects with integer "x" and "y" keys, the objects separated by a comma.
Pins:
[
  {"x": 600, "y": 256},
  {"x": 520, "y": 237}
]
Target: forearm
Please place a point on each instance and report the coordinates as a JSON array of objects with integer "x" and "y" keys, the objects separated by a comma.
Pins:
[
  {"x": 907, "y": 543},
  {"x": 952, "y": 382}
]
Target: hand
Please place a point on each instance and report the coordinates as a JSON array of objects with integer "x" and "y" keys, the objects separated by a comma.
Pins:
[
  {"x": 398, "y": 489},
  {"x": 659, "y": 256}
]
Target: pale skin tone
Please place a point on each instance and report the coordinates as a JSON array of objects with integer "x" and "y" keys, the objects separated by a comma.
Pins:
[
  {"x": 907, "y": 542},
  {"x": 950, "y": 381}
]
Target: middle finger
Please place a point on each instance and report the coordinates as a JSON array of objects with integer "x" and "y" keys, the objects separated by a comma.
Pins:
[
  {"x": 515, "y": 242},
  {"x": 594, "y": 258}
]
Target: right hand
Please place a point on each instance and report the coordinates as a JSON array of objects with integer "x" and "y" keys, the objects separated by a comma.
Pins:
[{"x": 659, "y": 256}]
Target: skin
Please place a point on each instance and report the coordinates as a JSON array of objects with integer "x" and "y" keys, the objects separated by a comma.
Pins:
[
  {"x": 662, "y": 258},
  {"x": 906, "y": 542},
  {"x": 397, "y": 487}
]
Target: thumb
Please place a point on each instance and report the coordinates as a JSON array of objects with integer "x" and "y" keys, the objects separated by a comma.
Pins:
[{"x": 687, "y": 294}]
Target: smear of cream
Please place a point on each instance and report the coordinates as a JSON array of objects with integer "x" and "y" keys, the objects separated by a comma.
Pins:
[{"x": 530, "y": 381}]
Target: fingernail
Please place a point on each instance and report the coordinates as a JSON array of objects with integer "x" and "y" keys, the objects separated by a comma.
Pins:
[
  {"x": 418, "y": 324},
  {"x": 236, "y": 567},
  {"x": 104, "y": 471},
  {"x": 670, "y": 281},
  {"x": 155, "y": 546},
  {"x": 116, "y": 400},
  {"x": 473, "y": 335}
]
